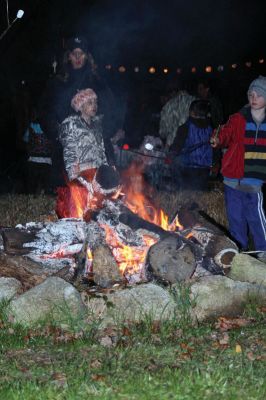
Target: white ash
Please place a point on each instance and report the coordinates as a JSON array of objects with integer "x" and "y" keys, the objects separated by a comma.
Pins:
[
  {"x": 65, "y": 236},
  {"x": 53, "y": 265},
  {"x": 200, "y": 271},
  {"x": 109, "y": 215},
  {"x": 95, "y": 235},
  {"x": 202, "y": 235}
]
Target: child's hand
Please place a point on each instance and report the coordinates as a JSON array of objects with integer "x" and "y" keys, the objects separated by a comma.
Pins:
[{"x": 214, "y": 141}]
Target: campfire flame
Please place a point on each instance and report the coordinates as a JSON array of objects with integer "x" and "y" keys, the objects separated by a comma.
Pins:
[
  {"x": 130, "y": 259},
  {"x": 139, "y": 204}
]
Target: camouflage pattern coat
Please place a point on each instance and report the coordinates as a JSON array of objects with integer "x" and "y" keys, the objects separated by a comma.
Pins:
[
  {"x": 83, "y": 146},
  {"x": 174, "y": 114}
]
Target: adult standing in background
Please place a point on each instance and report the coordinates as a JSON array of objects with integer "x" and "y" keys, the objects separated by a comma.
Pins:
[
  {"x": 216, "y": 109},
  {"x": 79, "y": 72},
  {"x": 174, "y": 114}
]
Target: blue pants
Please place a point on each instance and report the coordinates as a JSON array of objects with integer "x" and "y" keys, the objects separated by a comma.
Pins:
[{"x": 245, "y": 214}]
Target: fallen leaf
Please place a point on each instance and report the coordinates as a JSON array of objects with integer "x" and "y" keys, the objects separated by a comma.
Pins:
[
  {"x": 238, "y": 348},
  {"x": 225, "y": 324},
  {"x": 261, "y": 309},
  {"x": 95, "y": 363},
  {"x": 225, "y": 339},
  {"x": 261, "y": 358},
  {"x": 59, "y": 379},
  {"x": 98, "y": 377},
  {"x": 126, "y": 331},
  {"x": 156, "y": 326},
  {"x": 251, "y": 356}
]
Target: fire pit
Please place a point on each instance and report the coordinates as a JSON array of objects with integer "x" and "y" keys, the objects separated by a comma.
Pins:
[{"x": 126, "y": 240}]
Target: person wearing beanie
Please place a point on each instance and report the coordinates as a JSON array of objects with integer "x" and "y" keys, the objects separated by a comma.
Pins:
[
  {"x": 79, "y": 72},
  {"x": 84, "y": 153},
  {"x": 244, "y": 168}
]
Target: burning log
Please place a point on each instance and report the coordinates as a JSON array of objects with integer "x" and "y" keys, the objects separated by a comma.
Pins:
[
  {"x": 105, "y": 269},
  {"x": 219, "y": 250},
  {"x": 171, "y": 260},
  {"x": 118, "y": 216}
]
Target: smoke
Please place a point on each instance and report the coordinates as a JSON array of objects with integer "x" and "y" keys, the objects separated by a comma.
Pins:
[{"x": 173, "y": 31}]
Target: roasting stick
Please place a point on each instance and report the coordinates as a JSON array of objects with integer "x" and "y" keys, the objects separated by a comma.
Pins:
[{"x": 252, "y": 252}]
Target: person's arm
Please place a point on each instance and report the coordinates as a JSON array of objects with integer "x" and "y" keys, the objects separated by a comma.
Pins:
[
  {"x": 180, "y": 139},
  {"x": 225, "y": 136},
  {"x": 68, "y": 140}
]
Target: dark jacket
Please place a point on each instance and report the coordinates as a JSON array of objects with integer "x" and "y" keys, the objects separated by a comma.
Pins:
[
  {"x": 55, "y": 103},
  {"x": 192, "y": 143}
]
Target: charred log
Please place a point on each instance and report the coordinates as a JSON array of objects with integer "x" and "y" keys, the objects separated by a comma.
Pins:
[
  {"x": 105, "y": 269},
  {"x": 23, "y": 269},
  {"x": 14, "y": 239},
  {"x": 135, "y": 222}
]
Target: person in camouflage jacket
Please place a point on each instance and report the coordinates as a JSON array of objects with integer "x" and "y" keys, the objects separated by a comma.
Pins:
[
  {"x": 174, "y": 114},
  {"x": 83, "y": 149},
  {"x": 81, "y": 136}
]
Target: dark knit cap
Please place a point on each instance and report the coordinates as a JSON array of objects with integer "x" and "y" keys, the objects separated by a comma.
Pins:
[{"x": 78, "y": 42}]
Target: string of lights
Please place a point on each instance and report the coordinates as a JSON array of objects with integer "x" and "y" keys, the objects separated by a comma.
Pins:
[{"x": 166, "y": 70}]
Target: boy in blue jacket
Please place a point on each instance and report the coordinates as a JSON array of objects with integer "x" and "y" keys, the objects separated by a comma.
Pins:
[{"x": 192, "y": 148}]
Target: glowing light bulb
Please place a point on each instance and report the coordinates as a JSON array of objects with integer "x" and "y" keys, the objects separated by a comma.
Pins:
[
  {"x": 152, "y": 70},
  {"x": 20, "y": 14}
]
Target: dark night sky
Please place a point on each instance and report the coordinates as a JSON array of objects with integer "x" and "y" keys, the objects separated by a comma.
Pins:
[
  {"x": 131, "y": 32},
  {"x": 137, "y": 32}
]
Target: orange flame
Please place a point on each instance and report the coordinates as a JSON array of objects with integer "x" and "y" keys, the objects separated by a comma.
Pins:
[
  {"x": 139, "y": 204},
  {"x": 89, "y": 260},
  {"x": 130, "y": 259}
]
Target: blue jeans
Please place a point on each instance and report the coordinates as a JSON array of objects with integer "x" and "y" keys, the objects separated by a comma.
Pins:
[{"x": 245, "y": 214}]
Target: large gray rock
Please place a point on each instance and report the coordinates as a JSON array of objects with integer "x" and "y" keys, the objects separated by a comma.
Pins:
[
  {"x": 247, "y": 269},
  {"x": 215, "y": 296},
  {"x": 53, "y": 299},
  {"x": 9, "y": 287},
  {"x": 135, "y": 304}
]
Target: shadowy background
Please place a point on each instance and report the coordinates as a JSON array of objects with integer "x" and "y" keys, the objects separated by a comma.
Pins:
[{"x": 172, "y": 34}]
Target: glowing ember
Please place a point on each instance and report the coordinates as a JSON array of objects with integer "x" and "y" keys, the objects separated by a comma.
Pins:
[
  {"x": 89, "y": 260},
  {"x": 130, "y": 259}
]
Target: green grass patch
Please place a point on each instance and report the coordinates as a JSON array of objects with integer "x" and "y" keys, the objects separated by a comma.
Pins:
[{"x": 153, "y": 360}]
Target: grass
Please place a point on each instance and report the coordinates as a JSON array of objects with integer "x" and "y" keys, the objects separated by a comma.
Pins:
[{"x": 143, "y": 361}]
